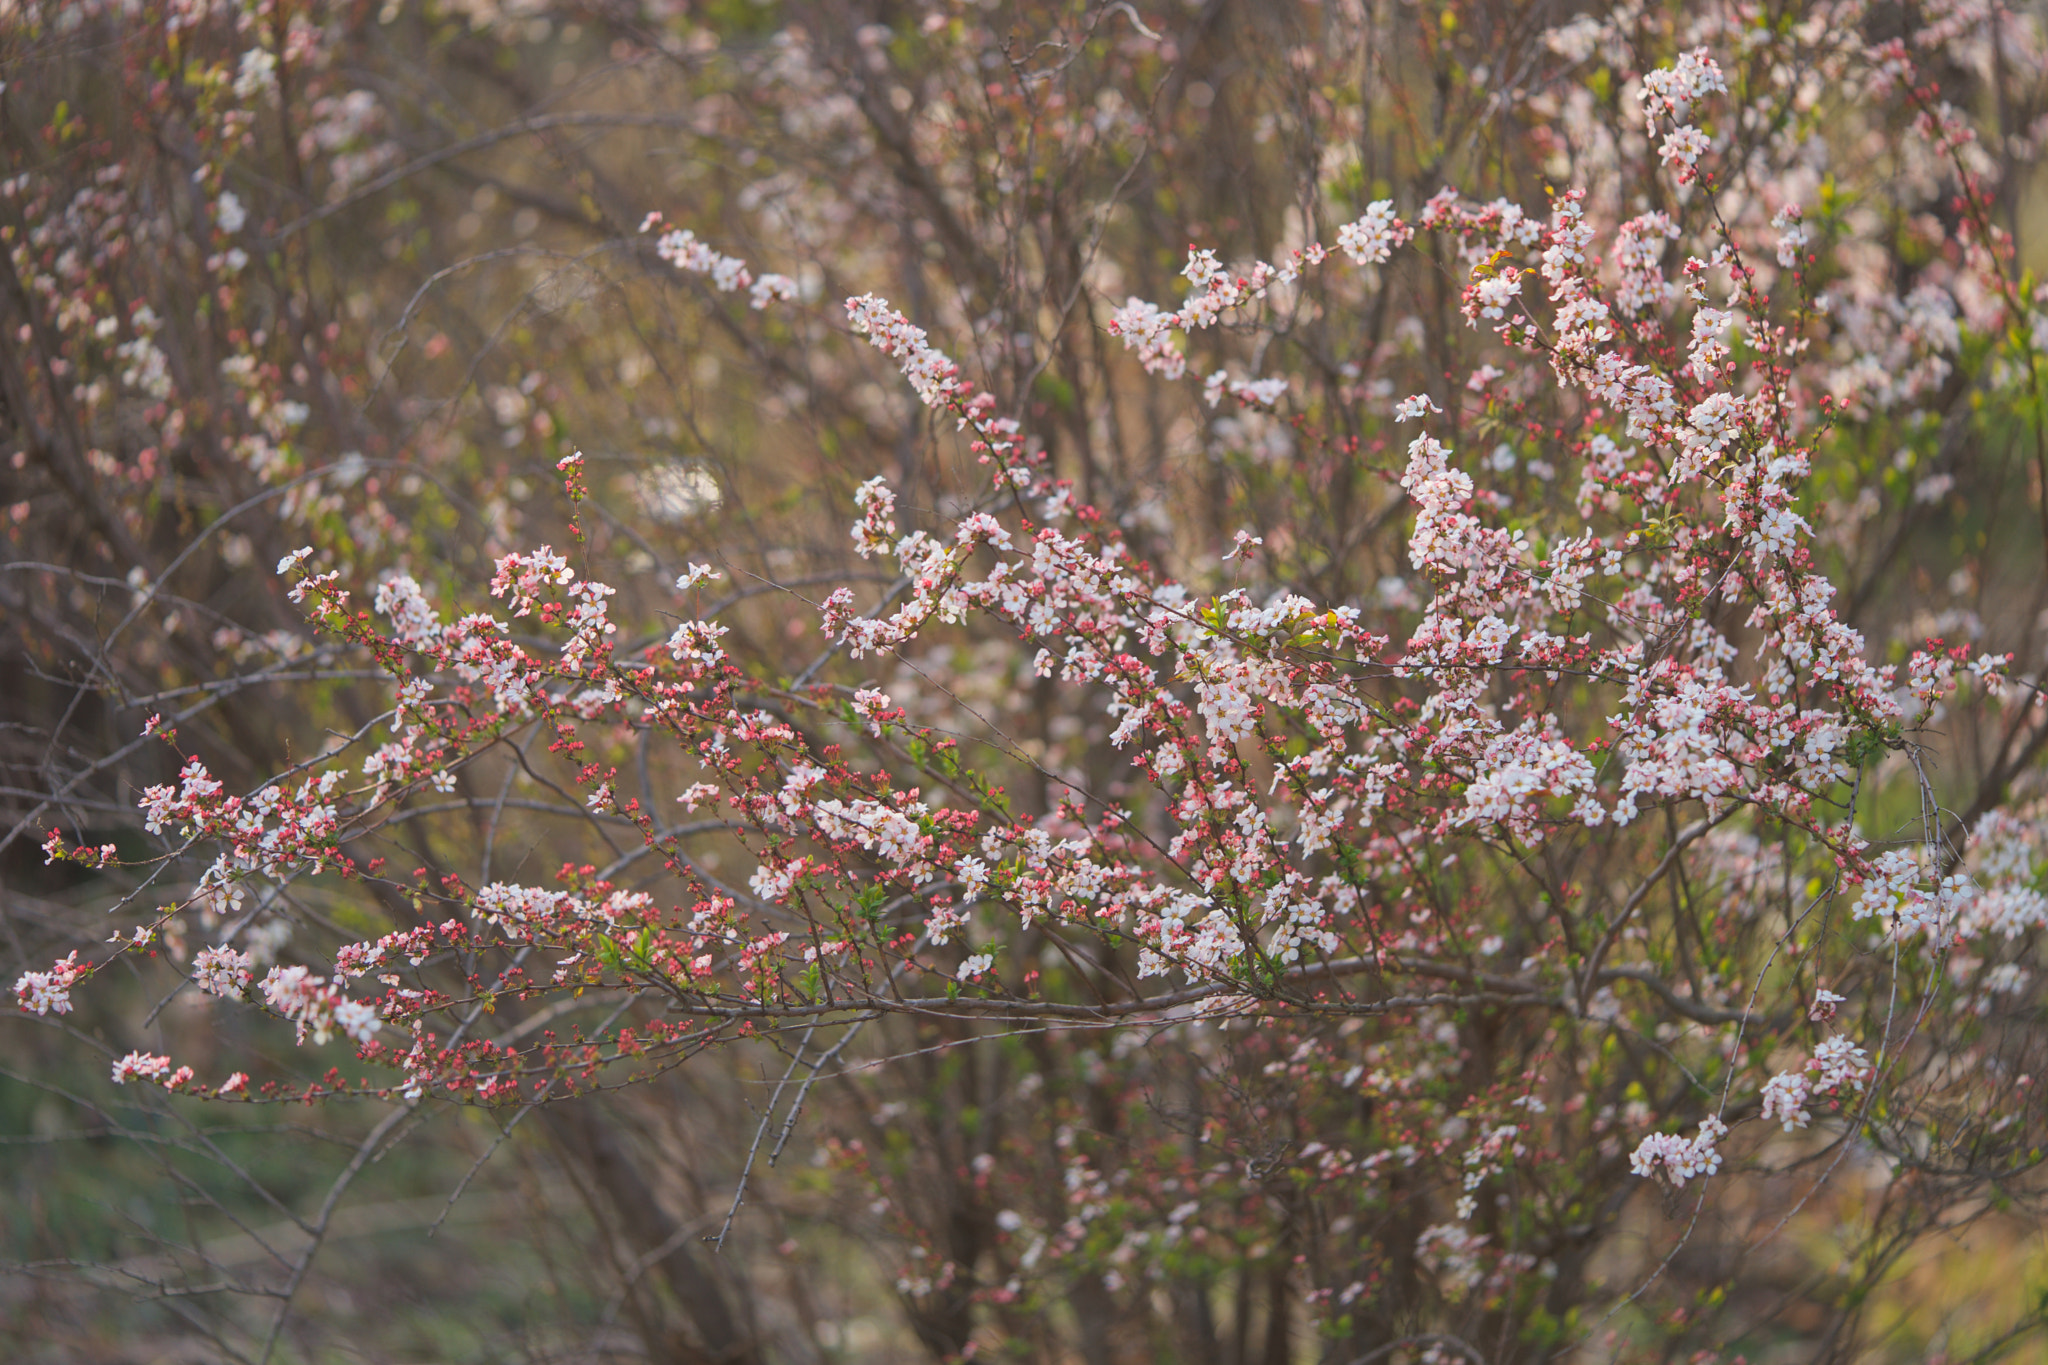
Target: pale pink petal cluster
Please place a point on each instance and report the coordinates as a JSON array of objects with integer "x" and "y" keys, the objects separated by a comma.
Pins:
[
  {"x": 1673, "y": 1160},
  {"x": 49, "y": 992}
]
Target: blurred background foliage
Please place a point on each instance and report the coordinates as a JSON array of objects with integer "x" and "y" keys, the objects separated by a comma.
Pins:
[{"x": 444, "y": 288}]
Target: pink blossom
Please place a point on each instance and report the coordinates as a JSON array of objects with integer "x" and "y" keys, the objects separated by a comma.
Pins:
[
  {"x": 50, "y": 992},
  {"x": 140, "y": 1065}
]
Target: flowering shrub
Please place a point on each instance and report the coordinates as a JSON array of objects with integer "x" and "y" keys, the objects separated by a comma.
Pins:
[{"x": 1515, "y": 796}]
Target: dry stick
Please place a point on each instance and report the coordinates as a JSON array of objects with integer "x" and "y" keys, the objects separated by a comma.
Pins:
[
  {"x": 739, "y": 1192},
  {"x": 1870, "y": 1095},
  {"x": 1843, "y": 1146},
  {"x": 804, "y": 1090},
  {"x": 7, "y": 840},
  {"x": 318, "y": 1230},
  {"x": 746, "y": 1171},
  {"x": 504, "y": 793},
  {"x": 1685, "y": 838},
  {"x": 236, "y": 684},
  {"x": 207, "y": 703},
  {"x": 213, "y": 1151},
  {"x": 525, "y": 127},
  {"x": 796, "y": 1106},
  {"x": 406, "y": 314},
  {"x": 1741, "y": 1020},
  {"x": 645, "y": 1262},
  {"x": 148, "y": 596},
  {"x": 544, "y": 807},
  {"x": 1232, "y": 1001},
  {"x": 1464, "y": 1348}
]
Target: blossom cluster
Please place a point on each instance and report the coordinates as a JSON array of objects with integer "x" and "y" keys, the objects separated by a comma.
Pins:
[
  {"x": 49, "y": 992},
  {"x": 1674, "y": 1160}
]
